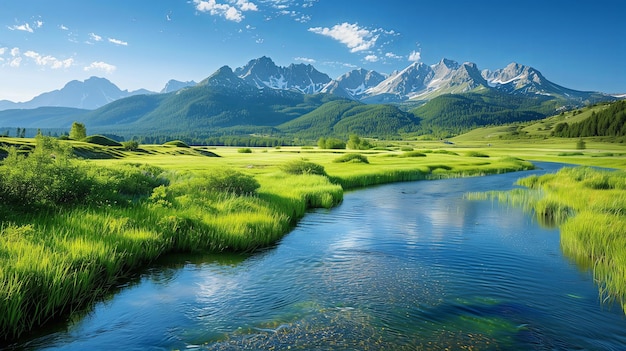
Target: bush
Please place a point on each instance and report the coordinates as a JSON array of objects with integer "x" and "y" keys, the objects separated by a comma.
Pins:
[
  {"x": 101, "y": 140},
  {"x": 475, "y": 154},
  {"x": 230, "y": 181},
  {"x": 47, "y": 176},
  {"x": 303, "y": 167},
  {"x": 413, "y": 154},
  {"x": 130, "y": 145},
  {"x": 246, "y": 150},
  {"x": 356, "y": 158}
]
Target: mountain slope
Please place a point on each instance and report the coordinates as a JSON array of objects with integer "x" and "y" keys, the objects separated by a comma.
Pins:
[
  {"x": 344, "y": 117},
  {"x": 457, "y": 113},
  {"x": 41, "y": 117}
]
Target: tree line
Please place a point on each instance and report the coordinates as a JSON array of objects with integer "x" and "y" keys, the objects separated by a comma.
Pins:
[{"x": 608, "y": 122}]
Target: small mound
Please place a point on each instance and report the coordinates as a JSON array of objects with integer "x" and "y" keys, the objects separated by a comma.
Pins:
[
  {"x": 101, "y": 140},
  {"x": 354, "y": 158},
  {"x": 177, "y": 143}
]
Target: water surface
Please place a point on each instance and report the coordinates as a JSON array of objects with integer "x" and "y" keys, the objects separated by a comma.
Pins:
[{"x": 397, "y": 267}]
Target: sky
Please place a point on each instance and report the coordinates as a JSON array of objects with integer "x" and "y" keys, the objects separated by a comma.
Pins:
[{"x": 138, "y": 44}]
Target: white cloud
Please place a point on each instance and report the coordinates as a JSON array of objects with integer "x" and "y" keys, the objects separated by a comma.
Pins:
[
  {"x": 95, "y": 37},
  {"x": 415, "y": 56},
  {"x": 62, "y": 27},
  {"x": 39, "y": 23},
  {"x": 245, "y": 5},
  {"x": 2, "y": 51},
  {"x": 15, "y": 52},
  {"x": 371, "y": 58},
  {"x": 23, "y": 27},
  {"x": 118, "y": 42},
  {"x": 49, "y": 61},
  {"x": 354, "y": 37},
  {"x": 305, "y": 59},
  {"x": 15, "y": 62},
  {"x": 100, "y": 66},
  {"x": 391, "y": 55},
  {"x": 230, "y": 12}
]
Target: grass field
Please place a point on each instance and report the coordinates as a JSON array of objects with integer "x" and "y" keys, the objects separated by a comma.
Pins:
[{"x": 56, "y": 261}]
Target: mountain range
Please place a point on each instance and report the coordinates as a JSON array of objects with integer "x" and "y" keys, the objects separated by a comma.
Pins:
[
  {"x": 418, "y": 82},
  {"x": 263, "y": 98}
]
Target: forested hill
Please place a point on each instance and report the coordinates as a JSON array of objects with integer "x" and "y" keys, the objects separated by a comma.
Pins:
[
  {"x": 345, "y": 117},
  {"x": 608, "y": 122},
  {"x": 457, "y": 113}
]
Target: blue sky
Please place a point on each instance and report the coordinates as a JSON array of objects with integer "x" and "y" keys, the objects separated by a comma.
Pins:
[{"x": 143, "y": 44}]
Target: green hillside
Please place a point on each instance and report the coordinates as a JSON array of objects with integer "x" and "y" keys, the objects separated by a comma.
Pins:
[
  {"x": 609, "y": 122},
  {"x": 459, "y": 113},
  {"x": 344, "y": 117},
  {"x": 539, "y": 129},
  {"x": 204, "y": 109}
]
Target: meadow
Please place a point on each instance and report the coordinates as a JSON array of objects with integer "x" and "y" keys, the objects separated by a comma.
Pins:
[{"x": 73, "y": 228}]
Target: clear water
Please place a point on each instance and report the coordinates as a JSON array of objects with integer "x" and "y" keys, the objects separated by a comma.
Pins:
[{"x": 406, "y": 266}]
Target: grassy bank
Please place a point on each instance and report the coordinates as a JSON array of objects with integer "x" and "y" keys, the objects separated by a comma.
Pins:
[
  {"x": 589, "y": 206},
  {"x": 72, "y": 229}
]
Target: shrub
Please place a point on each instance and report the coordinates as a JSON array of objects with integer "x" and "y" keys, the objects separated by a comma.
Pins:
[
  {"x": 356, "y": 158},
  {"x": 406, "y": 148},
  {"x": 475, "y": 154},
  {"x": 246, "y": 150},
  {"x": 130, "y": 145},
  {"x": 303, "y": 167},
  {"x": 46, "y": 177},
  {"x": 123, "y": 183},
  {"x": 101, "y": 140},
  {"x": 229, "y": 181},
  {"x": 413, "y": 154}
]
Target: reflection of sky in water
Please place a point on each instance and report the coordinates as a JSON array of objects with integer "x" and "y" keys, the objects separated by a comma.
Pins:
[{"x": 392, "y": 264}]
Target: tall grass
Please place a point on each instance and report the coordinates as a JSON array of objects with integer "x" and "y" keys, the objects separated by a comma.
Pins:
[{"x": 589, "y": 205}]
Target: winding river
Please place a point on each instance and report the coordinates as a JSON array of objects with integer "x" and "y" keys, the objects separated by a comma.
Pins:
[{"x": 405, "y": 266}]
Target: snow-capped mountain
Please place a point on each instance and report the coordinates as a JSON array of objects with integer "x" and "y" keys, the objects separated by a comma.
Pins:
[
  {"x": 417, "y": 82},
  {"x": 263, "y": 72},
  {"x": 175, "y": 85},
  {"x": 89, "y": 94},
  {"x": 519, "y": 79},
  {"x": 422, "y": 82},
  {"x": 354, "y": 84}
]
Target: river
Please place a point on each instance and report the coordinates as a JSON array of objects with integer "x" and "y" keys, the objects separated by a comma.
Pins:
[{"x": 406, "y": 266}]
